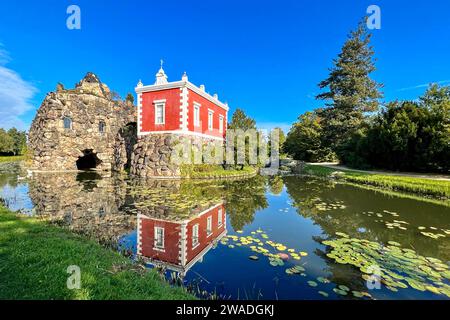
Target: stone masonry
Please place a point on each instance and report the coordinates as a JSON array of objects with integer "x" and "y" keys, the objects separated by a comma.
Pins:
[{"x": 82, "y": 128}]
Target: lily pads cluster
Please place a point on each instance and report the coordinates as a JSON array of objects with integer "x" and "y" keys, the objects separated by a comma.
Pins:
[
  {"x": 396, "y": 267},
  {"x": 180, "y": 205},
  {"x": 321, "y": 205},
  {"x": 434, "y": 232},
  {"x": 259, "y": 242}
]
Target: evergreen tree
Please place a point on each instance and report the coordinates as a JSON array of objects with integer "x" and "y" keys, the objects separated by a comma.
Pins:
[
  {"x": 351, "y": 93},
  {"x": 240, "y": 120},
  {"x": 130, "y": 97}
]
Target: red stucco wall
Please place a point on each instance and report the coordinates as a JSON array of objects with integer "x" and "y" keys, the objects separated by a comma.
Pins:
[
  {"x": 205, "y": 105},
  {"x": 172, "y": 118},
  {"x": 203, "y": 239},
  {"x": 171, "y": 240}
]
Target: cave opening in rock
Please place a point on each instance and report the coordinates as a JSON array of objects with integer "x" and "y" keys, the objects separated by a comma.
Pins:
[
  {"x": 129, "y": 132},
  {"x": 88, "y": 161}
]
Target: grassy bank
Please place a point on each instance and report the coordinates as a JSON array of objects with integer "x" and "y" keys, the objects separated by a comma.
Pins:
[
  {"x": 426, "y": 187},
  {"x": 34, "y": 257},
  {"x": 11, "y": 158}
]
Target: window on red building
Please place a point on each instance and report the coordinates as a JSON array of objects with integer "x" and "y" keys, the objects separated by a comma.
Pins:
[
  {"x": 219, "y": 218},
  {"x": 195, "y": 239},
  {"x": 159, "y": 112},
  {"x": 209, "y": 226},
  {"x": 159, "y": 238},
  {"x": 221, "y": 124},
  {"x": 210, "y": 120},
  {"x": 196, "y": 115}
]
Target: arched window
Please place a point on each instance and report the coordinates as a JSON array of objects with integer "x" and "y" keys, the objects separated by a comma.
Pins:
[
  {"x": 67, "y": 123},
  {"x": 101, "y": 126}
]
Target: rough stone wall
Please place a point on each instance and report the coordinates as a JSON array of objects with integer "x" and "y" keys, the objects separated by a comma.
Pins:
[
  {"x": 57, "y": 148},
  {"x": 152, "y": 154}
]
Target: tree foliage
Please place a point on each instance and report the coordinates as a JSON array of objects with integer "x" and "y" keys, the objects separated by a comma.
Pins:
[
  {"x": 12, "y": 142},
  {"x": 304, "y": 140},
  {"x": 129, "y": 97},
  {"x": 350, "y": 92},
  {"x": 240, "y": 120},
  {"x": 407, "y": 136}
]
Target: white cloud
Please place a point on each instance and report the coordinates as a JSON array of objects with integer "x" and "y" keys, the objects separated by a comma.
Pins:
[
  {"x": 15, "y": 95},
  {"x": 424, "y": 85}
]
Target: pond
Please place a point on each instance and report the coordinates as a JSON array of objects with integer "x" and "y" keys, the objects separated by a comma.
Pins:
[{"x": 261, "y": 238}]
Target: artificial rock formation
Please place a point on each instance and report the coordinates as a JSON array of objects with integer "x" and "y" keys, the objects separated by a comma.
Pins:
[
  {"x": 83, "y": 128},
  {"x": 153, "y": 155}
]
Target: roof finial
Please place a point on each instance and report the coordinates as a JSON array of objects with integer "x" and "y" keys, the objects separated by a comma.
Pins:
[{"x": 161, "y": 77}]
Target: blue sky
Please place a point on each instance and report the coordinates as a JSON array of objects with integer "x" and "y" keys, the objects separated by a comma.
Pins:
[{"x": 266, "y": 57}]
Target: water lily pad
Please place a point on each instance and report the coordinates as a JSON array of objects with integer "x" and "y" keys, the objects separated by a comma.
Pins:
[
  {"x": 312, "y": 283},
  {"x": 323, "y": 293},
  {"x": 340, "y": 292},
  {"x": 323, "y": 280}
]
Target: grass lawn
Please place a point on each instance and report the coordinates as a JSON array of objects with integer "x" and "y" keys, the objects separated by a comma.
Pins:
[
  {"x": 427, "y": 187},
  {"x": 34, "y": 257},
  {"x": 11, "y": 158}
]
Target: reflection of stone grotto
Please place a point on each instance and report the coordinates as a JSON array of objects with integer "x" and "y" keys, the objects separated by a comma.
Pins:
[
  {"x": 106, "y": 208},
  {"x": 89, "y": 207}
]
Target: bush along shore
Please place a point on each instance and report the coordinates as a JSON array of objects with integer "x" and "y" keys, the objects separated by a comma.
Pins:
[
  {"x": 439, "y": 189},
  {"x": 35, "y": 257},
  {"x": 11, "y": 158}
]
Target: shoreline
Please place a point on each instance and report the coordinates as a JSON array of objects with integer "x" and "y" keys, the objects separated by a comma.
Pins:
[{"x": 37, "y": 255}]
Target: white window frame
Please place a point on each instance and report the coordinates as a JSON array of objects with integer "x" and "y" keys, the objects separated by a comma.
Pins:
[
  {"x": 155, "y": 243},
  {"x": 197, "y": 114},
  {"x": 209, "y": 226},
  {"x": 210, "y": 120},
  {"x": 221, "y": 123},
  {"x": 195, "y": 236},
  {"x": 219, "y": 218},
  {"x": 157, "y": 104}
]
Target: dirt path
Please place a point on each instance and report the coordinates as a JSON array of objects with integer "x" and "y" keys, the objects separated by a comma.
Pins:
[{"x": 431, "y": 176}]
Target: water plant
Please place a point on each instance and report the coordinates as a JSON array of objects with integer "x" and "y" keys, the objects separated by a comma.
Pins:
[{"x": 398, "y": 268}]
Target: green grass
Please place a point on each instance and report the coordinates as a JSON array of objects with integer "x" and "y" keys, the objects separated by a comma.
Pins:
[
  {"x": 11, "y": 158},
  {"x": 214, "y": 172},
  {"x": 34, "y": 257},
  {"x": 426, "y": 187}
]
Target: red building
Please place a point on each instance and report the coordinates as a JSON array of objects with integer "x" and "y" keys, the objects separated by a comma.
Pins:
[
  {"x": 179, "y": 107},
  {"x": 178, "y": 245}
]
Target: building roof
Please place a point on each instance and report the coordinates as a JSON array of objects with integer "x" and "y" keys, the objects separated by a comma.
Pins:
[{"x": 161, "y": 83}]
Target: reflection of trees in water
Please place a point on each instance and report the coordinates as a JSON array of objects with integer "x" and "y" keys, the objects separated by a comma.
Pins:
[
  {"x": 243, "y": 199},
  {"x": 9, "y": 171},
  {"x": 276, "y": 185},
  {"x": 306, "y": 193}
]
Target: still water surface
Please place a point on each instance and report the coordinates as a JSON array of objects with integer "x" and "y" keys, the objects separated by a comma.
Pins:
[{"x": 261, "y": 238}]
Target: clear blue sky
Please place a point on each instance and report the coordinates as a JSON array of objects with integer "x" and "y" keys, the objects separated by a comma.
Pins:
[{"x": 263, "y": 56}]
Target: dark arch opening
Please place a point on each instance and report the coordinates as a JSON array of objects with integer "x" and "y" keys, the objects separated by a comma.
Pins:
[
  {"x": 88, "y": 161},
  {"x": 129, "y": 132}
]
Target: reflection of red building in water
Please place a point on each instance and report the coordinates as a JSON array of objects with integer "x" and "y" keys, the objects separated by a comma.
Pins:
[{"x": 180, "y": 244}]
